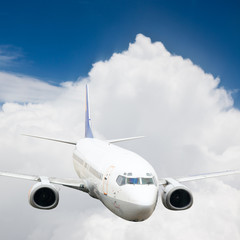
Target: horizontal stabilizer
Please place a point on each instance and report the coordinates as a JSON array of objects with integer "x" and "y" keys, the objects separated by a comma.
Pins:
[
  {"x": 124, "y": 139},
  {"x": 51, "y": 139}
]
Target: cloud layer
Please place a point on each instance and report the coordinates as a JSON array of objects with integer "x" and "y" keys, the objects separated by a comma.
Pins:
[
  {"x": 190, "y": 124},
  {"x": 17, "y": 88}
]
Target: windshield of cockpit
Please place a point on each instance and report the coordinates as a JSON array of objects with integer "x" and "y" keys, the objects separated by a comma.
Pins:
[{"x": 122, "y": 180}]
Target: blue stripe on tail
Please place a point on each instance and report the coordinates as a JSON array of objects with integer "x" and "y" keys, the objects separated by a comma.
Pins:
[{"x": 88, "y": 130}]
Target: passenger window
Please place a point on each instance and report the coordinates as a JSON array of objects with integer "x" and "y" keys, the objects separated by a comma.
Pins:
[
  {"x": 133, "y": 180},
  {"x": 147, "y": 181},
  {"x": 121, "y": 180}
]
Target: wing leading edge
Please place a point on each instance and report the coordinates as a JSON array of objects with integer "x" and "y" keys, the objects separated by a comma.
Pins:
[
  {"x": 163, "y": 181},
  {"x": 67, "y": 182}
]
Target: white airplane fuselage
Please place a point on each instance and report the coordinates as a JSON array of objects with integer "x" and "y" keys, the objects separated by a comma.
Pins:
[{"x": 122, "y": 180}]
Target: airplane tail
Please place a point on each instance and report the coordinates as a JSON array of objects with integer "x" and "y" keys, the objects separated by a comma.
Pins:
[{"x": 88, "y": 130}]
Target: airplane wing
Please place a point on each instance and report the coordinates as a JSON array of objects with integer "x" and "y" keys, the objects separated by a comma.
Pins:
[
  {"x": 67, "y": 182},
  {"x": 163, "y": 181}
]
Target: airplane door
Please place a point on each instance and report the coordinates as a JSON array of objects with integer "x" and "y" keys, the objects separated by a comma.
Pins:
[{"x": 106, "y": 179}]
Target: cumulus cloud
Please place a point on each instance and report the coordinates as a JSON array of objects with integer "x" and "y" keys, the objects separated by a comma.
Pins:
[{"x": 190, "y": 124}]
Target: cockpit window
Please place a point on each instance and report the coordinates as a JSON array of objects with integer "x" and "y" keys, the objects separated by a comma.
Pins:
[
  {"x": 147, "y": 181},
  {"x": 133, "y": 180},
  {"x": 121, "y": 180}
]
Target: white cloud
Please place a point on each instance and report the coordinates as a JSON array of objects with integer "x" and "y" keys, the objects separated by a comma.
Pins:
[
  {"x": 190, "y": 124},
  {"x": 9, "y": 54},
  {"x": 17, "y": 88}
]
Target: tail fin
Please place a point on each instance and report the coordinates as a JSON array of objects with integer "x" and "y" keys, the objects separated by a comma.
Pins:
[{"x": 88, "y": 130}]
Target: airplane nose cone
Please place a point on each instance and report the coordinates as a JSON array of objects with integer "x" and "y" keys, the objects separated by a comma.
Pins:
[
  {"x": 140, "y": 213},
  {"x": 141, "y": 205}
]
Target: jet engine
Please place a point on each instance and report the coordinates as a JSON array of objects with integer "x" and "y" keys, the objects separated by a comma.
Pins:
[
  {"x": 43, "y": 196},
  {"x": 176, "y": 196}
]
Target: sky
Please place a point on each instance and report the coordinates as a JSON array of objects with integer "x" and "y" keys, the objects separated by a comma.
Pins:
[
  {"x": 163, "y": 69},
  {"x": 59, "y": 41}
]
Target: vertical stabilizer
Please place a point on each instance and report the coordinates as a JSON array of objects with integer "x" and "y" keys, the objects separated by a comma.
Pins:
[{"x": 88, "y": 130}]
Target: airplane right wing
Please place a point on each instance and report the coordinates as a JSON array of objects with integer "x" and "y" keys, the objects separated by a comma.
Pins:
[
  {"x": 176, "y": 196},
  {"x": 163, "y": 181},
  {"x": 207, "y": 175}
]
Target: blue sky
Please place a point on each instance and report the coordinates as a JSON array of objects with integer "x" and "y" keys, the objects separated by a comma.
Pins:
[{"x": 59, "y": 41}]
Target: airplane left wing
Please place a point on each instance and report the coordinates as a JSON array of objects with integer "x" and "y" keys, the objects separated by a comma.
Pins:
[
  {"x": 43, "y": 194},
  {"x": 20, "y": 176},
  {"x": 67, "y": 182}
]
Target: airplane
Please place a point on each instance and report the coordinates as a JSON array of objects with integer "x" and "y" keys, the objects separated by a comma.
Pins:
[{"x": 122, "y": 180}]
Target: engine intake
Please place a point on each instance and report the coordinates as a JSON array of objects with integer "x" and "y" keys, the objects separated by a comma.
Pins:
[
  {"x": 43, "y": 196},
  {"x": 176, "y": 196}
]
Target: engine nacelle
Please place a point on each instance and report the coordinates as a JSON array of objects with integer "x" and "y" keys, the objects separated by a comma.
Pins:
[
  {"x": 176, "y": 196},
  {"x": 43, "y": 196}
]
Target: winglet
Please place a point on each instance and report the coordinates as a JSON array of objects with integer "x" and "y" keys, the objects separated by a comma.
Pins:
[{"x": 88, "y": 130}]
